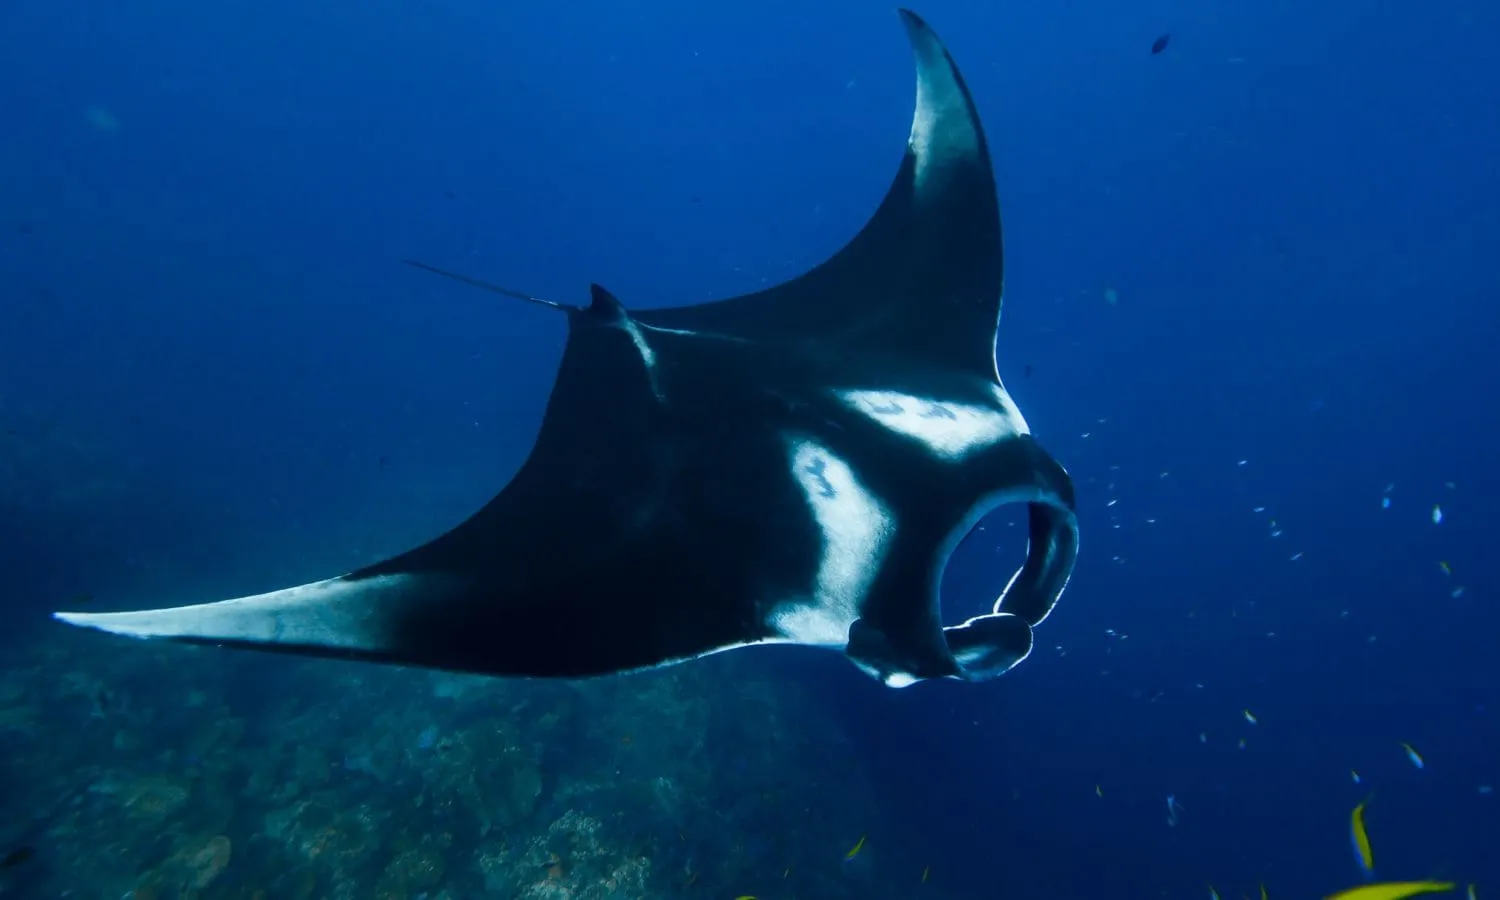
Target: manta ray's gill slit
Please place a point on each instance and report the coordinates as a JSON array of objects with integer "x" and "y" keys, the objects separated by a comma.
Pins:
[
  {"x": 856, "y": 529},
  {"x": 949, "y": 429}
]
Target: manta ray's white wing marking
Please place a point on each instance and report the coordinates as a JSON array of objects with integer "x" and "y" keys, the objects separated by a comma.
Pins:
[
  {"x": 950, "y": 430},
  {"x": 942, "y": 120},
  {"x": 335, "y": 613},
  {"x": 856, "y": 529}
]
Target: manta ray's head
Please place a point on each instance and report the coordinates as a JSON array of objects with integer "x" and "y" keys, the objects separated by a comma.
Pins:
[{"x": 957, "y": 456}]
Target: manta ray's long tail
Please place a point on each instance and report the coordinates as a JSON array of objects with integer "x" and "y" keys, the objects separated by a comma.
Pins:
[{"x": 489, "y": 286}]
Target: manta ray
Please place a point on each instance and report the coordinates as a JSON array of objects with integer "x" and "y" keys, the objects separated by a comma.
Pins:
[{"x": 792, "y": 466}]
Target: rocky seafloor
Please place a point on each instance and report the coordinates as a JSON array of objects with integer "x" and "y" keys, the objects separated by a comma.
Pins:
[{"x": 157, "y": 771}]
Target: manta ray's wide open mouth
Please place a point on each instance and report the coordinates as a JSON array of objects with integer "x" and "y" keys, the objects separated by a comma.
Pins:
[
  {"x": 991, "y": 643},
  {"x": 993, "y": 634}
]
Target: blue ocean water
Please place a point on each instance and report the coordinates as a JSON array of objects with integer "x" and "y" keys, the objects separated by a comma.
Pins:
[{"x": 1250, "y": 278}]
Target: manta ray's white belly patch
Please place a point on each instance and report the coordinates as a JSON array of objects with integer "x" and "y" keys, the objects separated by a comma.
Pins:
[
  {"x": 950, "y": 430},
  {"x": 856, "y": 530}
]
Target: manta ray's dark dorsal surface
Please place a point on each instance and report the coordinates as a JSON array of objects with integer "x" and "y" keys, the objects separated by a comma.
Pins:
[{"x": 793, "y": 466}]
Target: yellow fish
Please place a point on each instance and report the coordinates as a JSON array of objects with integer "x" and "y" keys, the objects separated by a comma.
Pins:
[
  {"x": 1263, "y": 892},
  {"x": 854, "y": 851},
  {"x": 1392, "y": 890},
  {"x": 745, "y": 897},
  {"x": 1360, "y": 838}
]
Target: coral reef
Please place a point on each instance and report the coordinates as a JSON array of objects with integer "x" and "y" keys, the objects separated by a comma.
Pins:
[{"x": 168, "y": 772}]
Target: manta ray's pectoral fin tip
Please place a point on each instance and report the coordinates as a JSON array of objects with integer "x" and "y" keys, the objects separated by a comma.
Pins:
[
  {"x": 143, "y": 624},
  {"x": 109, "y": 622},
  {"x": 911, "y": 19},
  {"x": 337, "y": 615}
]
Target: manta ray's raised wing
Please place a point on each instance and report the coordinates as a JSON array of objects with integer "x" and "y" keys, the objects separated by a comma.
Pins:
[
  {"x": 790, "y": 466},
  {"x": 923, "y": 277}
]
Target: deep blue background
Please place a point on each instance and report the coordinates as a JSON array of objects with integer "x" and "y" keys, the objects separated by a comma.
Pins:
[{"x": 1297, "y": 205}]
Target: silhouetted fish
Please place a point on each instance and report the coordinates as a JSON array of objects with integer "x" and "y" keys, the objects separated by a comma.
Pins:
[
  {"x": 16, "y": 857},
  {"x": 1160, "y": 44}
]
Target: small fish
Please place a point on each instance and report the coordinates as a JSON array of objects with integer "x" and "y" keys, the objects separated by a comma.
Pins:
[
  {"x": 1470, "y": 895},
  {"x": 927, "y": 870},
  {"x": 745, "y": 897},
  {"x": 1413, "y": 755},
  {"x": 854, "y": 851},
  {"x": 1385, "y": 502},
  {"x": 1250, "y": 717},
  {"x": 1160, "y": 44},
  {"x": 1212, "y": 894},
  {"x": 1447, "y": 569},
  {"x": 16, "y": 857},
  {"x": 1437, "y": 514},
  {"x": 1354, "y": 775},
  {"x": 1360, "y": 838},
  {"x": 1392, "y": 890},
  {"x": 1098, "y": 791},
  {"x": 1263, "y": 892},
  {"x": 1173, "y": 808},
  {"x": 1111, "y": 296}
]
